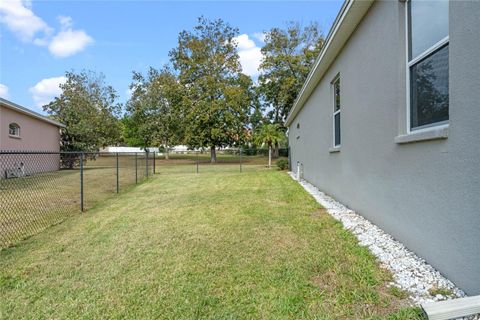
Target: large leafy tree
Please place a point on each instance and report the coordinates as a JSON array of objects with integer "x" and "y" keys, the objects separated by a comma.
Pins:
[
  {"x": 270, "y": 135},
  {"x": 154, "y": 110},
  {"x": 88, "y": 108},
  {"x": 130, "y": 132},
  {"x": 216, "y": 97},
  {"x": 288, "y": 55}
]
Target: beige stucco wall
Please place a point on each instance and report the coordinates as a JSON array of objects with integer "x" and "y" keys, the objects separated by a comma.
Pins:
[{"x": 35, "y": 134}]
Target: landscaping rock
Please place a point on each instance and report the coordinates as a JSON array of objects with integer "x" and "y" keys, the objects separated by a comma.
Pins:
[{"x": 411, "y": 273}]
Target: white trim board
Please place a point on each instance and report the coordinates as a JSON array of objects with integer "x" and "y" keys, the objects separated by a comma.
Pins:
[{"x": 452, "y": 309}]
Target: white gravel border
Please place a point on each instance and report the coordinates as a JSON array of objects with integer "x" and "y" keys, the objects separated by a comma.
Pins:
[{"x": 410, "y": 272}]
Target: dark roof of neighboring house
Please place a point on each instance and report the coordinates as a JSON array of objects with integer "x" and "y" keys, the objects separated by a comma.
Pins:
[
  {"x": 345, "y": 23},
  {"x": 29, "y": 112}
]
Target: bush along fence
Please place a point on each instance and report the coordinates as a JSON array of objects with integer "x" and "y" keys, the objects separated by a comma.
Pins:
[{"x": 39, "y": 189}]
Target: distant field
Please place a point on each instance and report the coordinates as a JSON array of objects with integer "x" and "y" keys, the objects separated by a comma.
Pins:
[
  {"x": 221, "y": 158},
  {"x": 178, "y": 163}
]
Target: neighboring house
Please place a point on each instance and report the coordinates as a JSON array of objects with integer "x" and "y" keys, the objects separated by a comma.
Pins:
[
  {"x": 23, "y": 130},
  {"x": 388, "y": 122}
]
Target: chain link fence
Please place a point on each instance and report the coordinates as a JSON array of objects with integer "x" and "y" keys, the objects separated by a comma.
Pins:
[
  {"x": 227, "y": 160},
  {"x": 40, "y": 189}
]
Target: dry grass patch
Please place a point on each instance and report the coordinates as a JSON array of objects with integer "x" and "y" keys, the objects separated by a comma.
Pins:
[{"x": 318, "y": 213}]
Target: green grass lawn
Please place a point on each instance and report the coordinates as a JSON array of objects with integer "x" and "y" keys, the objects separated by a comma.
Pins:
[
  {"x": 228, "y": 245},
  {"x": 30, "y": 204}
]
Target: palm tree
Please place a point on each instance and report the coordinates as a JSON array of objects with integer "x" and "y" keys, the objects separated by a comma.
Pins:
[{"x": 269, "y": 134}]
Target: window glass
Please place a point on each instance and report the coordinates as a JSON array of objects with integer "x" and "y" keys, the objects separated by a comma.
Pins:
[
  {"x": 13, "y": 129},
  {"x": 429, "y": 89},
  {"x": 337, "y": 129},
  {"x": 336, "y": 92},
  {"x": 428, "y": 24}
]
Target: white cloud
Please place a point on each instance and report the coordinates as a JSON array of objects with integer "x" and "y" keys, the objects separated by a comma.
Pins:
[
  {"x": 68, "y": 41},
  {"x": 3, "y": 91},
  {"x": 46, "y": 90},
  {"x": 244, "y": 42},
  {"x": 65, "y": 21},
  {"x": 250, "y": 55},
  {"x": 129, "y": 93},
  {"x": 260, "y": 36},
  {"x": 19, "y": 18}
]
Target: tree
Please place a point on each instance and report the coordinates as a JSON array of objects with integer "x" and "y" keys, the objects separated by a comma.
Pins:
[
  {"x": 216, "y": 100},
  {"x": 269, "y": 134},
  {"x": 257, "y": 111},
  {"x": 288, "y": 56},
  {"x": 154, "y": 113},
  {"x": 130, "y": 132},
  {"x": 88, "y": 108}
]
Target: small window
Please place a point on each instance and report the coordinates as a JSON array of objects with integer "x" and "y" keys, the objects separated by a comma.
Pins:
[
  {"x": 14, "y": 130},
  {"x": 428, "y": 63},
  {"x": 336, "y": 112}
]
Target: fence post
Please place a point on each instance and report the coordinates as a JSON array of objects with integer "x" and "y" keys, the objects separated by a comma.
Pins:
[
  {"x": 240, "y": 160},
  {"x": 81, "y": 181},
  {"x": 117, "y": 173},
  {"x": 197, "y": 160},
  {"x": 146, "y": 162},
  {"x": 136, "y": 169},
  {"x": 154, "y": 166}
]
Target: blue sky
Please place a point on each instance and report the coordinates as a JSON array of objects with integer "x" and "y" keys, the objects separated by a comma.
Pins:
[{"x": 40, "y": 40}]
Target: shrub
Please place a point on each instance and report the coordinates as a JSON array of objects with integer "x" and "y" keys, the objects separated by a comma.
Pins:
[{"x": 282, "y": 164}]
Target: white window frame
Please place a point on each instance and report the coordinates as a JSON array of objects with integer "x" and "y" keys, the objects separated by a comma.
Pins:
[
  {"x": 17, "y": 134},
  {"x": 414, "y": 61},
  {"x": 337, "y": 78}
]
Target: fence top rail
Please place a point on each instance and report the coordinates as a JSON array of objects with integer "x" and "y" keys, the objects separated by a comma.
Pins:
[
  {"x": 220, "y": 151},
  {"x": 71, "y": 152}
]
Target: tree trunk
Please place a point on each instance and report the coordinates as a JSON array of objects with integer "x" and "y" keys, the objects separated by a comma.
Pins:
[
  {"x": 276, "y": 151},
  {"x": 213, "y": 155},
  {"x": 269, "y": 155},
  {"x": 165, "y": 143}
]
